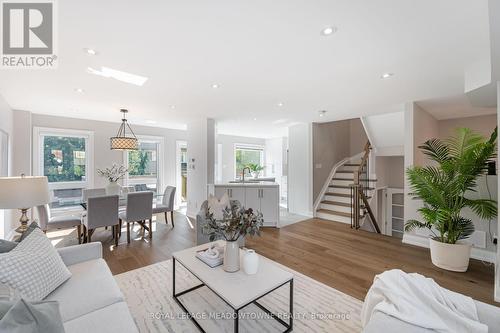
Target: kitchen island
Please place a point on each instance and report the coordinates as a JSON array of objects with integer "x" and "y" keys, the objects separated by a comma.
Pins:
[{"x": 260, "y": 196}]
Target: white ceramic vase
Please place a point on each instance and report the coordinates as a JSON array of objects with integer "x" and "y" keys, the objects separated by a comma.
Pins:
[
  {"x": 113, "y": 188},
  {"x": 452, "y": 257},
  {"x": 232, "y": 257},
  {"x": 250, "y": 262}
]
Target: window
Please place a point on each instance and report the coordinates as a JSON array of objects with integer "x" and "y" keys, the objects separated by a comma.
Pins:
[
  {"x": 244, "y": 155},
  {"x": 64, "y": 156},
  {"x": 144, "y": 165}
]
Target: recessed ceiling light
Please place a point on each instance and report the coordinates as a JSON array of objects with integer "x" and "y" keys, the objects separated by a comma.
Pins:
[
  {"x": 254, "y": 119},
  {"x": 386, "y": 75},
  {"x": 328, "y": 31},
  {"x": 118, "y": 75},
  {"x": 215, "y": 86},
  {"x": 322, "y": 113},
  {"x": 280, "y": 104},
  {"x": 79, "y": 90},
  {"x": 90, "y": 51},
  {"x": 172, "y": 107}
]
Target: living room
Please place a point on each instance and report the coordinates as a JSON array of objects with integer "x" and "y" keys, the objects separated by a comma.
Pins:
[{"x": 249, "y": 167}]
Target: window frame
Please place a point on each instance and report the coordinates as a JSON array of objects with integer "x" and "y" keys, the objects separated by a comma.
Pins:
[
  {"x": 38, "y": 163},
  {"x": 249, "y": 147},
  {"x": 159, "y": 161}
]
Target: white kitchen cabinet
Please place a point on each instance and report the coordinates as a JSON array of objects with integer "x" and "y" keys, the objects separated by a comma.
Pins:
[{"x": 260, "y": 197}]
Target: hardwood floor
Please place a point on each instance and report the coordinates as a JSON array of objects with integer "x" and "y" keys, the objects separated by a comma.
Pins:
[
  {"x": 348, "y": 259},
  {"x": 329, "y": 252}
]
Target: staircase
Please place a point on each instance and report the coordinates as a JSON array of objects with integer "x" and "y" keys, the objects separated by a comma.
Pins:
[{"x": 338, "y": 201}]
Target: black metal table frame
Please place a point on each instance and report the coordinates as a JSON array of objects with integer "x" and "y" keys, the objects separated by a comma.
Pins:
[{"x": 288, "y": 326}]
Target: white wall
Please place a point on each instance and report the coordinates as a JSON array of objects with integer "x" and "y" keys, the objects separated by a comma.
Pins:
[
  {"x": 6, "y": 125},
  {"x": 386, "y": 132},
  {"x": 103, "y": 156},
  {"x": 497, "y": 270},
  {"x": 274, "y": 161},
  {"x": 227, "y": 143},
  {"x": 200, "y": 154},
  {"x": 300, "y": 163}
]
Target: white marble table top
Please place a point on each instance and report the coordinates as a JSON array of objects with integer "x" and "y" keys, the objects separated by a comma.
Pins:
[{"x": 237, "y": 289}]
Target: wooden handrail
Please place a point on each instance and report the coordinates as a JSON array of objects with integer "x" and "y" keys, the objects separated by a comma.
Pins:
[{"x": 358, "y": 194}]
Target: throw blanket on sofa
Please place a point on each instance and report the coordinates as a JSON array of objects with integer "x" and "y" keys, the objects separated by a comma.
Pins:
[{"x": 420, "y": 301}]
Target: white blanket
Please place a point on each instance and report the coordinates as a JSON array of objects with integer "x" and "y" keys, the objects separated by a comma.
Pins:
[{"x": 420, "y": 301}]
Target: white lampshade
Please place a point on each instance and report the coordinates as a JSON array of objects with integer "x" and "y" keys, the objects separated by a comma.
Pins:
[{"x": 23, "y": 192}]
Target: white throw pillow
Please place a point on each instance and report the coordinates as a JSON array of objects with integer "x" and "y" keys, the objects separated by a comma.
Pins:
[
  {"x": 216, "y": 206},
  {"x": 33, "y": 268}
]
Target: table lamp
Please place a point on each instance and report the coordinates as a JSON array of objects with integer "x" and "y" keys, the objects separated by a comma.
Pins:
[{"x": 23, "y": 193}]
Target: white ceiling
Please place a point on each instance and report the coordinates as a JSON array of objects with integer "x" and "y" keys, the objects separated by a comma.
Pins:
[
  {"x": 457, "y": 106},
  {"x": 260, "y": 53}
]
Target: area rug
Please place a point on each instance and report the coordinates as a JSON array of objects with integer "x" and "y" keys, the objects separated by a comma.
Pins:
[{"x": 317, "y": 307}]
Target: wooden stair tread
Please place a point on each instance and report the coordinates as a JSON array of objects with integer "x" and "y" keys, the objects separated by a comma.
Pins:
[
  {"x": 347, "y": 187},
  {"x": 343, "y": 195},
  {"x": 338, "y": 203},
  {"x": 362, "y": 180},
  {"x": 345, "y": 171},
  {"x": 351, "y": 164}
]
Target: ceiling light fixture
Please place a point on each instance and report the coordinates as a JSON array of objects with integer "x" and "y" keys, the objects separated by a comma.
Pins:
[
  {"x": 386, "y": 75},
  {"x": 280, "y": 104},
  {"x": 322, "y": 113},
  {"x": 215, "y": 86},
  {"x": 118, "y": 75},
  {"x": 172, "y": 107},
  {"x": 328, "y": 31},
  {"x": 121, "y": 141},
  {"x": 79, "y": 90},
  {"x": 90, "y": 51},
  {"x": 254, "y": 119}
]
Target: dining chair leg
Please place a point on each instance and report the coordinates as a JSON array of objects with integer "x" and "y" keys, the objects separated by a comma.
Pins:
[
  {"x": 128, "y": 232},
  {"x": 172, "y": 217},
  {"x": 89, "y": 236},
  {"x": 166, "y": 218},
  {"x": 150, "y": 228},
  {"x": 84, "y": 234},
  {"x": 115, "y": 230},
  {"x": 79, "y": 233}
]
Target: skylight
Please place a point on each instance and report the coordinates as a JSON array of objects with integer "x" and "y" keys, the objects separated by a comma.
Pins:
[{"x": 118, "y": 75}]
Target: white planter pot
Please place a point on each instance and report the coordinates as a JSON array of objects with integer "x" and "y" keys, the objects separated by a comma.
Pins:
[
  {"x": 113, "y": 189},
  {"x": 250, "y": 262},
  {"x": 452, "y": 257}
]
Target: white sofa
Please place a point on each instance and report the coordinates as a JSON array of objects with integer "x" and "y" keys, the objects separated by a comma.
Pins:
[{"x": 91, "y": 301}]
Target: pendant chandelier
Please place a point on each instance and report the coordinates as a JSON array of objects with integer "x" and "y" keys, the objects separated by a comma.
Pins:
[{"x": 121, "y": 141}]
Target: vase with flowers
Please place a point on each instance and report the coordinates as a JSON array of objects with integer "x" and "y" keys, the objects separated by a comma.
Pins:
[
  {"x": 113, "y": 174},
  {"x": 236, "y": 222}
]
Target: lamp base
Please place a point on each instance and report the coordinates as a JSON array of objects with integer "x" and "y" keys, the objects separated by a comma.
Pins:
[{"x": 23, "y": 220}]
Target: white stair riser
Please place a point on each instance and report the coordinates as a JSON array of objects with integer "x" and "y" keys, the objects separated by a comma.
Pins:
[
  {"x": 338, "y": 208},
  {"x": 349, "y": 167},
  {"x": 339, "y": 190},
  {"x": 346, "y": 182},
  {"x": 344, "y": 175},
  {"x": 335, "y": 198},
  {"x": 335, "y": 218}
]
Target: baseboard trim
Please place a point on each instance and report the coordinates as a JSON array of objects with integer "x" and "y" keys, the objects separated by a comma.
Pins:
[{"x": 476, "y": 253}]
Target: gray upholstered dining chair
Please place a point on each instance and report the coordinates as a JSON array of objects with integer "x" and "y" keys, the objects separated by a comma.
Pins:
[
  {"x": 101, "y": 212},
  {"x": 48, "y": 222},
  {"x": 167, "y": 204},
  {"x": 139, "y": 209},
  {"x": 92, "y": 193}
]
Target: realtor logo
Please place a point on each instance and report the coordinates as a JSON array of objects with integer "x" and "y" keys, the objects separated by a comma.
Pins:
[{"x": 28, "y": 32}]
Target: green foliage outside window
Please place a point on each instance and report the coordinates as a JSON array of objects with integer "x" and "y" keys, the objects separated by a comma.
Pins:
[
  {"x": 244, "y": 157},
  {"x": 64, "y": 158}
]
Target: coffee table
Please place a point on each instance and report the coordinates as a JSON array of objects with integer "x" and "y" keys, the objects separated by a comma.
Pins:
[{"x": 238, "y": 289}]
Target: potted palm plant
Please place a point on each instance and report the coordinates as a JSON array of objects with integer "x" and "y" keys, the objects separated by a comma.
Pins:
[{"x": 445, "y": 187}]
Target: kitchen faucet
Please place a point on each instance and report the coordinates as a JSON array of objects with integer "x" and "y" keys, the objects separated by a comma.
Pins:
[{"x": 243, "y": 173}]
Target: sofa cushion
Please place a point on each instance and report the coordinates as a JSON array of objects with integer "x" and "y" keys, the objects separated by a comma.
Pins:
[
  {"x": 91, "y": 287},
  {"x": 6, "y": 246},
  {"x": 112, "y": 318},
  {"x": 33, "y": 268},
  {"x": 22, "y": 316}
]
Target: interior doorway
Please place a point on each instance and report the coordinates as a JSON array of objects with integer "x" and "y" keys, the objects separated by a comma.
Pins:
[{"x": 181, "y": 174}]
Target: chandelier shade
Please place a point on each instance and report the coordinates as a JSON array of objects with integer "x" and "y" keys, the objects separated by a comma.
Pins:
[{"x": 121, "y": 141}]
